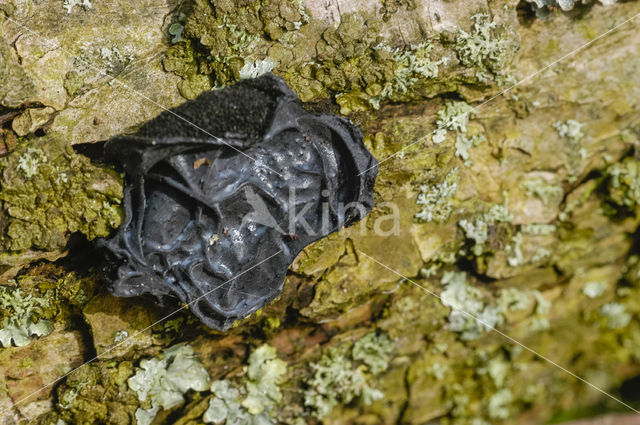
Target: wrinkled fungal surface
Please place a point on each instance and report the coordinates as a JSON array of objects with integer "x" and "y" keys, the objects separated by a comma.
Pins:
[{"x": 217, "y": 211}]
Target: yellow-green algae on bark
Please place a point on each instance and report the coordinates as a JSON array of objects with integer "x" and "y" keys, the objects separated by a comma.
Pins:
[{"x": 49, "y": 192}]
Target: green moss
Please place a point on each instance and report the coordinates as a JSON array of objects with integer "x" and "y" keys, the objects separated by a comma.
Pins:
[
  {"x": 47, "y": 195},
  {"x": 73, "y": 82}
]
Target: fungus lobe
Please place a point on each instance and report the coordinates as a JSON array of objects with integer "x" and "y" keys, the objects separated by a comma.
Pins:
[{"x": 217, "y": 211}]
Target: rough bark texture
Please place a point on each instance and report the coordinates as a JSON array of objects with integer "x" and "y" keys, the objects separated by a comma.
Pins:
[{"x": 522, "y": 211}]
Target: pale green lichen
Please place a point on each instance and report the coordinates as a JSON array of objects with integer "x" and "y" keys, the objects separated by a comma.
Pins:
[
  {"x": 548, "y": 192},
  {"x": 21, "y": 320},
  {"x": 412, "y": 65},
  {"x": 477, "y": 228},
  {"x": 176, "y": 30},
  {"x": 514, "y": 300},
  {"x": 69, "y": 4},
  {"x": 339, "y": 378},
  {"x": 499, "y": 402},
  {"x": 594, "y": 289},
  {"x": 499, "y": 213},
  {"x": 570, "y": 129},
  {"x": 454, "y": 116},
  {"x": 264, "y": 375},
  {"x": 464, "y": 143},
  {"x": 539, "y": 229},
  {"x": 254, "y": 402},
  {"x": 374, "y": 350},
  {"x": 114, "y": 59},
  {"x": 473, "y": 311},
  {"x": 438, "y": 370},
  {"x": 435, "y": 199},
  {"x": 161, "y": 382},
  {"x": 544, "y": 6},
  {"x": 255, "y": 68},
  {"x": 482, "y": 48},
  {"x": 616, "y": 314},
  {"x": 514, "y": 250},
  {"x": 540, "y": 320},
  {"x": 469, "y": 315},
  {"x": 29, "y": 162},
  {"x": 541, "y": 254},
  {"x": 69, "y": 396},
  {"x": 225, "y": 407},
  {"x": 120, "y": 336}
]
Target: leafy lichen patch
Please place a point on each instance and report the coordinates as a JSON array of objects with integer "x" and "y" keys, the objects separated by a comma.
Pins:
[
  {"x": 482, "y": 48},
  {"x": 341, "y": 376},
  {"x": 161, "y": 382},
  {"x": 436, "y": 199},
  {"x": 255, "y": 401},
  {"x": 21, "y": 319}
]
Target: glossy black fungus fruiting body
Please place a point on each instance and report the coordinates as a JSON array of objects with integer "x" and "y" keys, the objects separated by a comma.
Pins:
[{"x": 216, "y": 212}]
